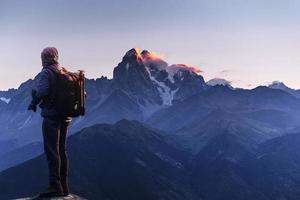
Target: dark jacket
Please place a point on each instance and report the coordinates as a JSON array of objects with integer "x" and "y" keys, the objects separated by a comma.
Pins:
[{"x": 45, "y": 89}]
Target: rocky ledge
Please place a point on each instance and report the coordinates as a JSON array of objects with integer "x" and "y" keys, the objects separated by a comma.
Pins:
[{"x": 69, "y": 197}]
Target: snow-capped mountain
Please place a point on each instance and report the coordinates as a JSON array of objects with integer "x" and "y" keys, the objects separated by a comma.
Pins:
[
  {"x": 281, "y": 86},
  {"x": 152, "y": 81},
  {"x": 219, "y": 81},
  {"x": 278, "y": 85}
]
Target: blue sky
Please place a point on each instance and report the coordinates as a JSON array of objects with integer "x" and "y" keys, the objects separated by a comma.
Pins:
[{"x": 249, "y": 42}]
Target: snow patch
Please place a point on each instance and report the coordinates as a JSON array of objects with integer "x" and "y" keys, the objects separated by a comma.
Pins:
[
  {"x": 278, "y": 85},
  {"x": 178, "y": 68},
  {"x": 166, "y": 94},
  {"x": 157, "y": 61},
  {"x": 169, "y": 160},
  {"x": 171, "y": 78},
  {"x": 6, "y": 100},
  {"x": 218, "y": 81},
  {"x": 25, "y": 123}
]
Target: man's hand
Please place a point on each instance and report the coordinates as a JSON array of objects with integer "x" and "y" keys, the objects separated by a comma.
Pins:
[{"x": 32, "y": 107}]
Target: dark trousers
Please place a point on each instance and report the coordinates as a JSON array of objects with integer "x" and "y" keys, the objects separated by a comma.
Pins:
[{"x": 55, "y": 135}]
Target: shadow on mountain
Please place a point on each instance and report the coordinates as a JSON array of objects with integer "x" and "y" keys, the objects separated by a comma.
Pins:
[{"x": 120, "y": 161}]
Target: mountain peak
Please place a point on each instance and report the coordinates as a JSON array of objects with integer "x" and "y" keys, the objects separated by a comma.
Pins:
[
  {"x": 152, "y": 81},
  {"x": 145, "y": 53},
  {"x": 133, "y": 54},
  {"x": 218, "y": 81},
  {"x": 278, "y": 85}
]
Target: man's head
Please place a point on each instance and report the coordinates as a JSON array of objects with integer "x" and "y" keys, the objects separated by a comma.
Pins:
[{"x": 49, "y": 56}]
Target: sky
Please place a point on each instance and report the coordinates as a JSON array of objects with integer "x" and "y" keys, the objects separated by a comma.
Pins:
[{"x": 248, "y": 42}]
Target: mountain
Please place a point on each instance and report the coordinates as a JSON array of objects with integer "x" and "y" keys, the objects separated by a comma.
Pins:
[
  {"x": 122, "y": 161},
  {"x": 141, "y": 85},
  {"x": 247, "y": 102},
  {"x": 18, "y": 126},
  {"x": 7, "y": 94},
  {"x": 199, "y": 133},
  {"x": 217, "y": 171},
  {"x": 225, "y": 169},
  {"x": 279, "y": 158},
  {"x": 19, "y": 155},
  {"x": 151, "y": 81},
  {"x": 219, "y": 81},
  {"x": 281, "y": 86},
  {"x": 205, "y": 142},
  {"x": 145, "y": 88},
  {"x": 128, "y": 160}
]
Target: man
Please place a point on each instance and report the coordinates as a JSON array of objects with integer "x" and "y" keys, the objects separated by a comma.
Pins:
[{"x": 55, "y": 126}]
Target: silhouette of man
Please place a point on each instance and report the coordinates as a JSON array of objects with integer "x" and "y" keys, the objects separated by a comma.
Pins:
[{"x": 54, "y": 127}]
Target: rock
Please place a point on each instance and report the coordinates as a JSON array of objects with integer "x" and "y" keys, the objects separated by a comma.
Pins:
[{"x": 69, "y": 197}]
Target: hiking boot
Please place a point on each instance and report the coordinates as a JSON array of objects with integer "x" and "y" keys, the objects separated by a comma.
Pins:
[
  {"x": 51, "y": 192},
  {"x": 66, "y": 192}
]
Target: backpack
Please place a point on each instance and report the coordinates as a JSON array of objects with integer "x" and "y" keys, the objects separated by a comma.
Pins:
[{"x": 68, "y": 97}]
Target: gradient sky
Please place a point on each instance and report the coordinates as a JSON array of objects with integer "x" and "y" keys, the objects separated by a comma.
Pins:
[{"x": 249, "y": 42}]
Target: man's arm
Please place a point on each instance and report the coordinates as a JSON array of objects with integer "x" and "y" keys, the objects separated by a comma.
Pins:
[
  {"x": 42, "y": 89},
  {"x": 43, "y": 86}
]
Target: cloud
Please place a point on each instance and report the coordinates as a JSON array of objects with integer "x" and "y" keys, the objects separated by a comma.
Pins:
[
  {"x": 176, "y": 67},
  {"x": 151, "y": 58},
  {"x": 224, "y": 73}
]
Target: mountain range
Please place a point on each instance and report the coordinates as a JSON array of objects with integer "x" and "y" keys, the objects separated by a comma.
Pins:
[
  {"x": 141, "y": 85},
  {"x": 159, "y": 131},
  {"x": 129, "y": 160}
]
